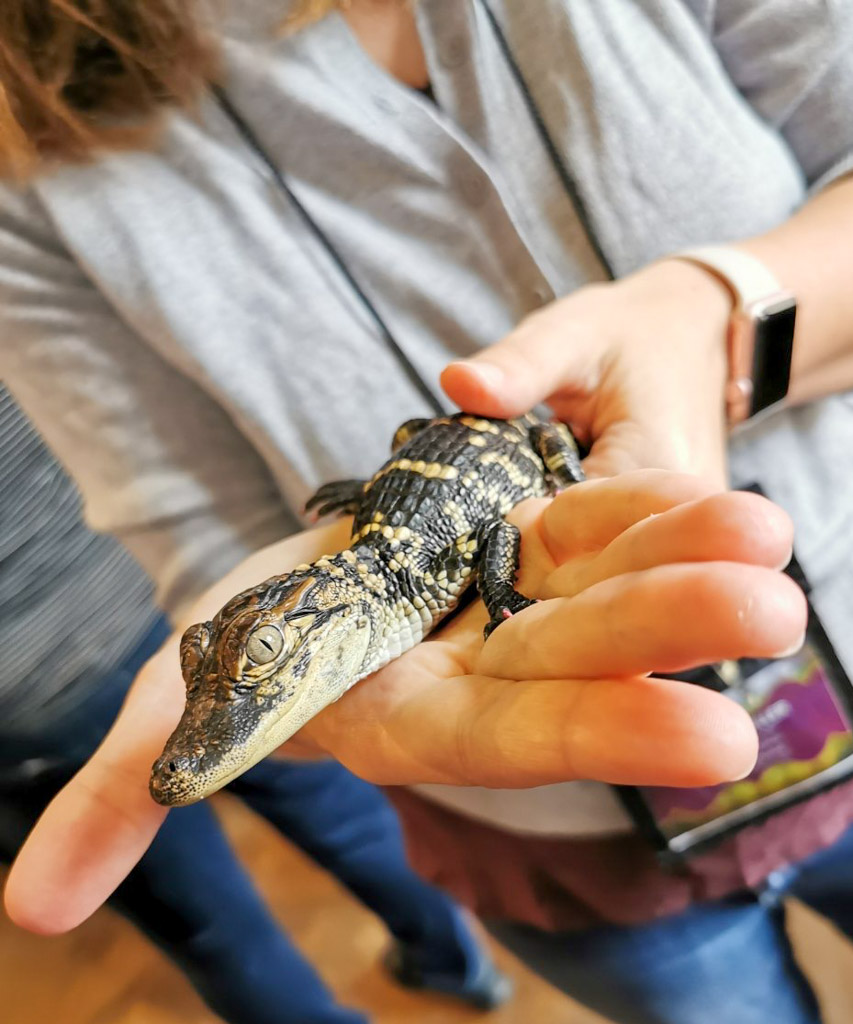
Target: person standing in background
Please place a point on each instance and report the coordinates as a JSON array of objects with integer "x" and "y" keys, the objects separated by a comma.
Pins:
[{"x": 77, "y": 621}]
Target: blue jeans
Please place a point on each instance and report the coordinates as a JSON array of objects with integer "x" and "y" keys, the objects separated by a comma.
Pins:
[
  {"x": 728, "y": 962},
  {"x": 189, "y": 893}
]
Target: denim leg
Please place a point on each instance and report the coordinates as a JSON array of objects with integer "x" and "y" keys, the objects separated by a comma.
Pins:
[
  {"x": 191, "y": 897},
  {"x": 824, "y": 882},
  {"x": 72, "y": 738},
  {"x": 349, "y": 828},
  {"x": 728, "y": 962}
]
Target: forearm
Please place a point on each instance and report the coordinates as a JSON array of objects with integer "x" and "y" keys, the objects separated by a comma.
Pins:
[{"x": 812, "y": 255}]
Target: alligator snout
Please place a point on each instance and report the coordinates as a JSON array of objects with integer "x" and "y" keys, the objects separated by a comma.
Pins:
[
  {"x": 175, "y": 765},
  {"x": 174, "y": 778}
]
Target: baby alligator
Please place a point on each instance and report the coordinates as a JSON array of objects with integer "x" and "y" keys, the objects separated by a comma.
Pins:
[{"x": 427, "y": 524}]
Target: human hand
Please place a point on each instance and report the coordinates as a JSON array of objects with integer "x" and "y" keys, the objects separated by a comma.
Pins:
[
  {"x": 646, "y": 571},
  {"x": 636, "y": 366}
]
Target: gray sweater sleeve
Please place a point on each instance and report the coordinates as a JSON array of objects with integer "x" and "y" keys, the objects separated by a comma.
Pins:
[
  {"x": 160, "y": 465},
  {"x": 793, "y": 62},
  {"x": 73, "y": 605}
]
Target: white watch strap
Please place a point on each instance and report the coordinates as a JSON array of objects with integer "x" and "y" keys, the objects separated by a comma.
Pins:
[
  {"x": 747, "y": 276},
  {"x": 755, "y": 290}
]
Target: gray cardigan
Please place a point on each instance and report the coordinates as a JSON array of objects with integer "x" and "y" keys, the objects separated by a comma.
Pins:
[{"x": 200, "y": 363}]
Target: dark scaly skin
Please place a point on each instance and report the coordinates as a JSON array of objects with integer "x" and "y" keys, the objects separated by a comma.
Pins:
[{"x": 426, "y": 526}]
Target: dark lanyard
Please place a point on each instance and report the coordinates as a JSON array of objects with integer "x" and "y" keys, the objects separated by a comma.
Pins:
[
  {"x": 248, "y": 135},
  {"x": 364, "y": 299},
  {"x": 560, "y": 166}
]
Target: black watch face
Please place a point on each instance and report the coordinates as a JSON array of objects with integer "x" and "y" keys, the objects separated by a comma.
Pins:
[{"x": 774, "y": 345}]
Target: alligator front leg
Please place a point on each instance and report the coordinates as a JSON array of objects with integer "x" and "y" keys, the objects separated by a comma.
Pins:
[
  {"x": 559, "y": 451},
  {"x": 497, "y": 572},
  {"x": 407, "y": 431},
  {"x": 341, "y": 496}
]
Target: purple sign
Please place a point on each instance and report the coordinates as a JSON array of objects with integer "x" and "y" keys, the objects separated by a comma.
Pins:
[{"x": 803, "y": 730}]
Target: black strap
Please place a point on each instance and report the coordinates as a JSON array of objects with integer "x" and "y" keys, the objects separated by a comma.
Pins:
[
  {"x": 251, "y": 140},
  {"x": 559, "y": 164}
]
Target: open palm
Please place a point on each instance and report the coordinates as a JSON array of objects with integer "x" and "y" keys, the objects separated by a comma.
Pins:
[{"x": 648, "y": 571}]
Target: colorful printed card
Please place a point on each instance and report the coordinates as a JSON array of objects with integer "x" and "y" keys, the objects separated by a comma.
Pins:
[
  {"x": 804, "y": 731},
  {"x": 802, "y": 707}
]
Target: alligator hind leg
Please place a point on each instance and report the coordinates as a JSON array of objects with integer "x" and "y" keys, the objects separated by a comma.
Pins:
[
  {"x": 341, "y": 496},
  {"x": 559, "y": 451},
  {"x": 497, "y": 572},
  {"x": 407, "y": 431}
]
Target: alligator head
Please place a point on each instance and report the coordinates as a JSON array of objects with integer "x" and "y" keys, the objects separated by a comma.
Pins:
[{"x": 272, "y": 658}]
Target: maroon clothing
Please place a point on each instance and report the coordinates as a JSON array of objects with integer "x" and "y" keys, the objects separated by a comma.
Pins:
[{"x": 558, "y": 884}]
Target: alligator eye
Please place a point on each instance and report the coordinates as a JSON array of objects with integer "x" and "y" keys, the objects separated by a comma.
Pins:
[{"x": 264, "y": 644}]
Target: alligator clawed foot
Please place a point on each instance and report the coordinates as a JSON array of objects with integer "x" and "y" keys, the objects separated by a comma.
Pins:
[{"x": 507, "y": 612}]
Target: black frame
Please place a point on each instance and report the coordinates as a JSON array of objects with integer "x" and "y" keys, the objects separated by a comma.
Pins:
[{"x": 771, "y": 357}]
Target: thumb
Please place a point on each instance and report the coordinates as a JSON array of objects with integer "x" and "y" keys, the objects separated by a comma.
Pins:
[
  {"x": 96, "y": 829},
  {"x": 546, "y": 353}
]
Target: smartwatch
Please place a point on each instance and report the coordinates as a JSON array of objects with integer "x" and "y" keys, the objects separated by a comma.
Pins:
[{"x": 760, "y": 340}]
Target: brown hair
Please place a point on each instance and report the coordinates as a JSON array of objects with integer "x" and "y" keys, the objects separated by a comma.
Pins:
[{"x": 78, "y": 75}]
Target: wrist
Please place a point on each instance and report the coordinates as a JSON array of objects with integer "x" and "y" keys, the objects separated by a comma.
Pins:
[
  {"x": 696, "y": 287},
  {"x": 688, "y": 311},
  {"x": 760, "y": 332}
]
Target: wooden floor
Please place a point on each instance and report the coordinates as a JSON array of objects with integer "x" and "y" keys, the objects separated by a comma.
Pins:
[{"x": 105, "y": 973}]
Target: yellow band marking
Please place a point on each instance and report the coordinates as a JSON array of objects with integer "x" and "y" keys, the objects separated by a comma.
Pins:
[
  {"x": 434, "y": 470},
  {"x": 484, "y": 426},
  {"x": 505, "y": 462}
]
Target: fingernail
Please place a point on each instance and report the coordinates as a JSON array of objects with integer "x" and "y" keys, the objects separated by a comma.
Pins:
[
  {"x": 785, "y": 562},
  {"x": 792, "y": 649},
  {"x": 490, "y": 375}
]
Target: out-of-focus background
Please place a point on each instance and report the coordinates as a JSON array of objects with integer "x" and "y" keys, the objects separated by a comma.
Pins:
[{"x": 106, "y": 973}]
